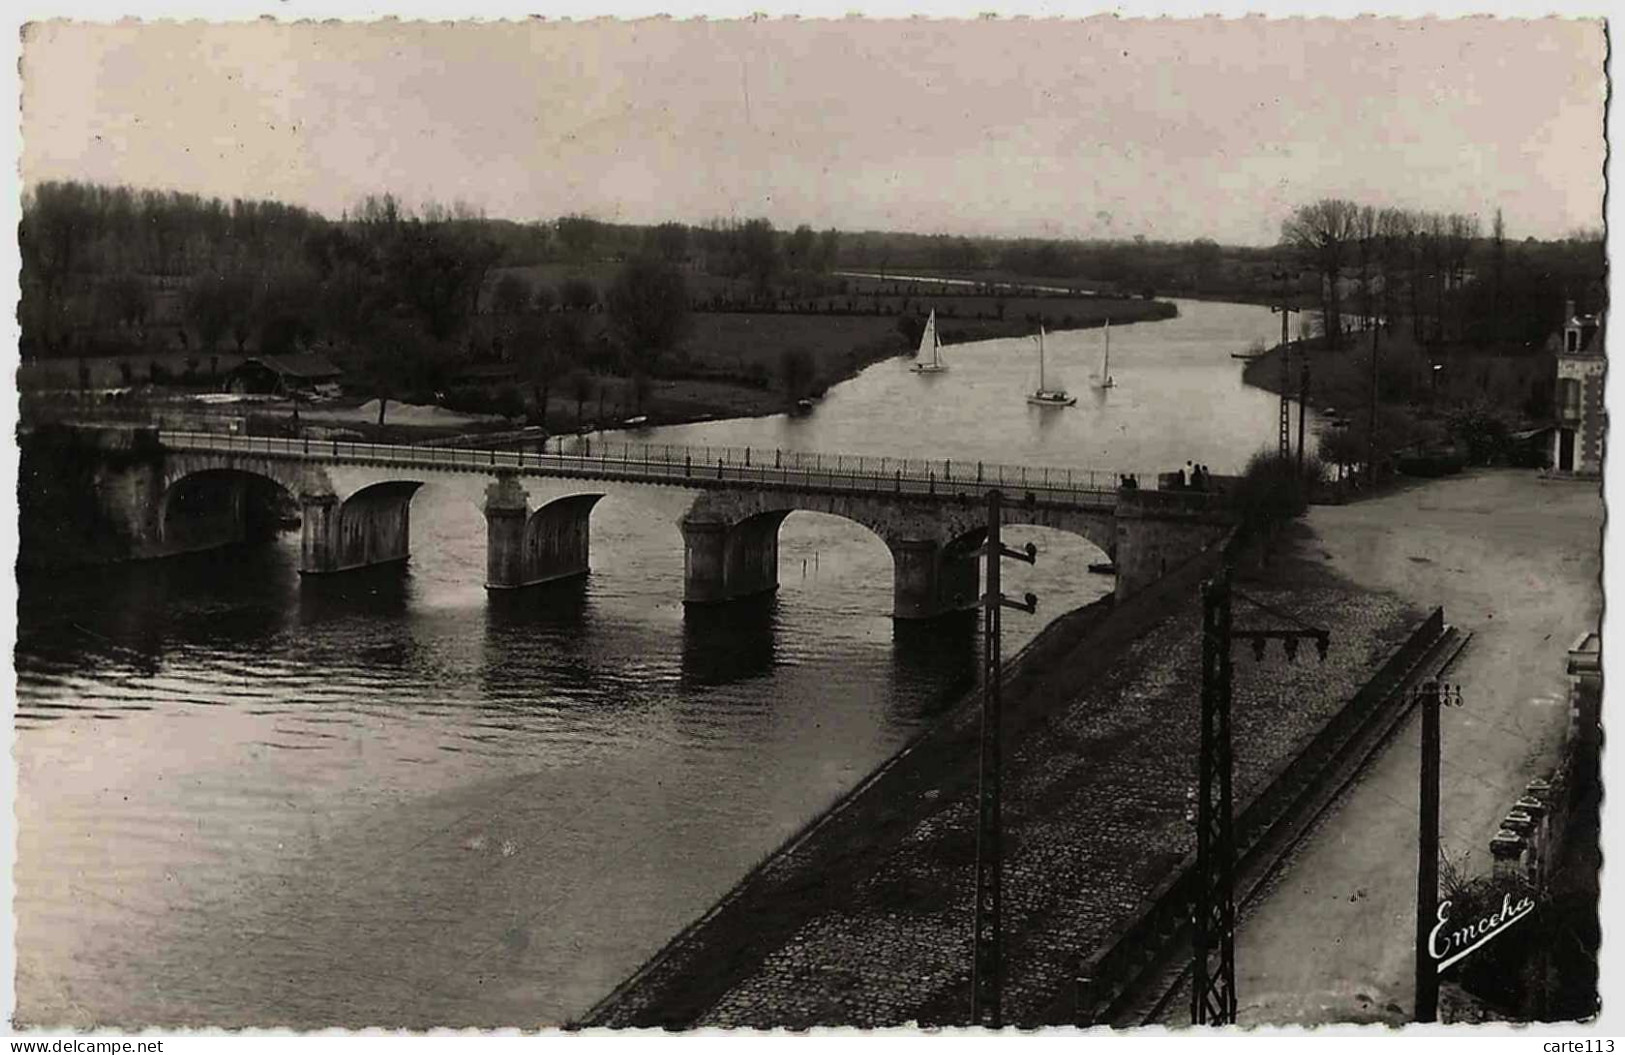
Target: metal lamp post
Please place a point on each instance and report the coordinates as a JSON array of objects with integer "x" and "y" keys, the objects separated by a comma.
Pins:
[
  {"x": 1285, "y": 309},
  {"x": 1213, "y": 939},
  {"x": 987, "y": 970}
]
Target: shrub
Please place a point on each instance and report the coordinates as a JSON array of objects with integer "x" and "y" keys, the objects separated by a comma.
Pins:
[
  {"x": 796, "y": 371},
  {"x": 1479, "y": 429},
  {"x": 1270, "y": 490},
  {"x": 577, "y": 294}
]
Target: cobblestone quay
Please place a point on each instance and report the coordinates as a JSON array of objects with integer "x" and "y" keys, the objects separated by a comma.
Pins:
[{"x": 865, "y": 918}]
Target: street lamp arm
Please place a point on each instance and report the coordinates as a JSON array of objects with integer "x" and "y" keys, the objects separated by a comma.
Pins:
[
  {"x": 1029, "y": 553},
  {"x": 1028, "y": 604},
  {"x": 1261, "y": 606}
]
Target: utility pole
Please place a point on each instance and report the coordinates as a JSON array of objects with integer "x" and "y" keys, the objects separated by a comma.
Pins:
[
  {"x": 1285, "y": 309},
  {"x": 1213, "y": 948},
  {"x": 1371, "y": 421},
  {"x": 1303, "y": 402},
  {"x": 987, "y": 970},
  {"x": 1213, "y": 985},
  {"x": 1431, "y": 696}
]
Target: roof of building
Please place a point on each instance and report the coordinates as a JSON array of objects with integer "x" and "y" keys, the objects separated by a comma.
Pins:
[
  {"x": 1593, "y": 329},
  {"x": 309, "y": 366}
]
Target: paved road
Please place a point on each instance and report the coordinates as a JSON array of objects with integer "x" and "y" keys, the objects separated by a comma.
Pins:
[{"x": 1516, "y": 560}]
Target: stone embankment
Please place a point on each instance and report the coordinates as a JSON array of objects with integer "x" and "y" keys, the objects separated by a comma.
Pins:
[{"x": 865, "y": 919}]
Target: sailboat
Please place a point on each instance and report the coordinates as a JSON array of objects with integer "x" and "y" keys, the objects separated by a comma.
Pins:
[
  {"x": 929, "y": 342},
  {"x": 1106, "y": 364},
  {"x": 1048, "y": 397}
]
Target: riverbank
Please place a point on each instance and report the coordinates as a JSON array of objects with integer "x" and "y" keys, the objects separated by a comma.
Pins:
[
  {"x": 865, "y": 920},
  {"x": 737, "y": 364},
  {"x": 733, "y": 365},
  {"x": 1430, "y": 396}
]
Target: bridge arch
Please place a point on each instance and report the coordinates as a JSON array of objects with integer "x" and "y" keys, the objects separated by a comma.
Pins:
[
  {"x": 731, "y": 546},
  {"x": 528, "y": 548},
  {"x": 217, "y": 506},
  {"x": 373, "y": 525}
]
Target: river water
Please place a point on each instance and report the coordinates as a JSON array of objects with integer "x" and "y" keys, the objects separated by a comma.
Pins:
[{"x": 390, "y": 799}]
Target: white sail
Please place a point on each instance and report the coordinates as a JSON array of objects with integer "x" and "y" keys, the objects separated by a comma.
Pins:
[
  {"x": 1046, "y": 396},
  {"x": 926, "y": 364},
  {"x": 928, "y": 339},
  {"x": 1106, "y": 362}
]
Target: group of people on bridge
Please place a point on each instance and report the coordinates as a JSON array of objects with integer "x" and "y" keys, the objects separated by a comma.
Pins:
[{"x": 1193, "y": 478}]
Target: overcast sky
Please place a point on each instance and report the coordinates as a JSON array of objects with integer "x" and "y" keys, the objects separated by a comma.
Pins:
[{"x": 1092, "y": 128}]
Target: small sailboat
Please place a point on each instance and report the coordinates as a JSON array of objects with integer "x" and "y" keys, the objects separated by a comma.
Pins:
[
  {"x": 1106, "y": 380},
  {"x": 932, "y": 363},
  {"x": 1045, "y": 396}
]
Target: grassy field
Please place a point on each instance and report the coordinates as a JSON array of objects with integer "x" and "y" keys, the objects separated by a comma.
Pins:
[{"x": 734, "y": 361}]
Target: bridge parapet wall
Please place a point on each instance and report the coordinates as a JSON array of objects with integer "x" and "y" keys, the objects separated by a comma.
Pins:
[{"x": 1161, "y": 530}]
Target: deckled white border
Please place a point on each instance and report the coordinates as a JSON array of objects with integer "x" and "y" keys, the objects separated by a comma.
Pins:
[{"x": 1612, "y": 984}]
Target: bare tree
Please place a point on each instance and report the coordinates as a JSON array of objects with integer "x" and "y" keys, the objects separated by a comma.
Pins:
[
  {"x": 1395, "y": 236},
  {"x": 1321, "y": 232},
  {"x": 1461, "y": 231},
  {"x": 1498, "y": 269},
  {"x": 1366, "y": 249}
]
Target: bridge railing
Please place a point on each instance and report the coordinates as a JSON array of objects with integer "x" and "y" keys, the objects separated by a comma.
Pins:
[
  {"x": 676, "y": 463},
  {"x": 951, "y": 470}
]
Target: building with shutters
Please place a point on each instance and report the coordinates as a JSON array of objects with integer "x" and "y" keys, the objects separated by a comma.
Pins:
[{"x": 1577, "y": 442}]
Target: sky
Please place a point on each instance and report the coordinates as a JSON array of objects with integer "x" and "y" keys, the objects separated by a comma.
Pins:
[{"x": 1081, "y": 128}]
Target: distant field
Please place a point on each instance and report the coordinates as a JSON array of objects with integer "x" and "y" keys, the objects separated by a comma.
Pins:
[
  {"x": 732, "y": 361},
  {"x": 835, "y": 342}
]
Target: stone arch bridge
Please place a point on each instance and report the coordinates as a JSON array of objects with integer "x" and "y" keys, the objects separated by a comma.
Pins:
[{"x": 175, "y": 492}]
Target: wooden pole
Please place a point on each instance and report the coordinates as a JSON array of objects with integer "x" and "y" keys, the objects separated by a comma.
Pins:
[
  {"x": 1427, "y": 858},
  {"x": 987, "y": 972}
]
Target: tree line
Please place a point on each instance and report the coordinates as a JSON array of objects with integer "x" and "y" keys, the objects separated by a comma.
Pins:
[{"x": 1439, "y": 273}]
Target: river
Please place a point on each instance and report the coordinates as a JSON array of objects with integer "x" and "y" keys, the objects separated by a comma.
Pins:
[{"x": 389, "y": 799}]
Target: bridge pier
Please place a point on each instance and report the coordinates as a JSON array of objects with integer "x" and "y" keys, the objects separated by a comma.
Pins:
[
  {"x": 725, "y": 562},
  {"x": 930, "y": 579},
  {"x": 528, "y": 549},
  {"x": 373, "y": 526}
]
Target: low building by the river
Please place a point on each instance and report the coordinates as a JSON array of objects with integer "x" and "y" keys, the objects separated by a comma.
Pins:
[{"x": 285, "y": 375}]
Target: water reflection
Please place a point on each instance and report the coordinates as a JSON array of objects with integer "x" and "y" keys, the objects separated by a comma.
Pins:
[
  {"x": 728, "y": 643},
  {"x": 134, "y": 614},
  {"x": 949, "y": 647},
  {"x": 550, "y": 607},
  {"x": 378, "y": 593}
]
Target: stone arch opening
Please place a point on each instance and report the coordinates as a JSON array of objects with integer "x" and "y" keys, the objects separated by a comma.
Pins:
[
  {"x": 1073, "y": 569},
  {"x": 526, "y": 547},
  {"x": 828, "y": 552},
  {"x": 1101, "y": 535},
  {"x": 223, "y": 506},
  {"x": 374, "y": 525},
  {"x": 732, "y": 553}
]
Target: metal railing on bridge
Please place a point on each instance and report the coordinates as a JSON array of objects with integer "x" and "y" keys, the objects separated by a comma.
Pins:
[{"x": 694, "y": 466}]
